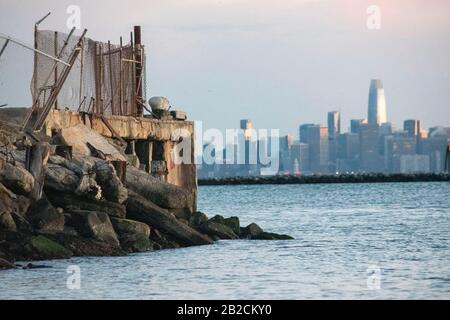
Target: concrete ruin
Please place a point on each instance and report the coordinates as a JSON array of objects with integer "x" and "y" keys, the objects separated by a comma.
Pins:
[{"x": 102, "y": 86}]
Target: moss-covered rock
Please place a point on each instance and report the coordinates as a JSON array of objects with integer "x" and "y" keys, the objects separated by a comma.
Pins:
[{"x": 48, "y": 249}]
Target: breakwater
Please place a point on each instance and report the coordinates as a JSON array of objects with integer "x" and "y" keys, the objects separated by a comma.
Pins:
[{"x": 343, "y": 178}]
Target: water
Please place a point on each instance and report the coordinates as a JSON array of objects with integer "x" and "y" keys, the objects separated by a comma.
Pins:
[{"x": 357, "y": 241}]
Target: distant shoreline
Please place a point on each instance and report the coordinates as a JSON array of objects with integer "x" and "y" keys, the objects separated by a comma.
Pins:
[{"x": 315, "y": 179}]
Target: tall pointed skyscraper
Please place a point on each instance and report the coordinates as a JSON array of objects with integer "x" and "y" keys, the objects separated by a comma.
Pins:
[{"x": 377, "y": 103}]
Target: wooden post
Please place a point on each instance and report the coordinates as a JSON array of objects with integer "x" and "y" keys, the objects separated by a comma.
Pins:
[
  {"x": 36, "y": 163},
  {"x": 56, "y": 65},
  {"x": 113, "y": 111},
  {"x": 138, "y": 71},
  {"x": 81, "y": 71},
  {"x": 120, "y": 79}
]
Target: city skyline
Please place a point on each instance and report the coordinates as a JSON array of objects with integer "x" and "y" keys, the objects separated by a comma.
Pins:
[{"x": 287, "y": 62}]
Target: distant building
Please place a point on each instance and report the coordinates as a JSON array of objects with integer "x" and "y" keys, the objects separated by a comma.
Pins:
[
  {"x": 317, "y": 139},
  {"x": 435, "y": 146},
  {"x": 347, "y": 155},
  {"x": 334, "y": 128},
  {"x": 370, "y": 160},
  {"x": 334, "y": 123},
  {"x": 396, "y": 147},
  {"x": 302, "y": 132},
  {"x": 414, "y": 163},
  {"x": 412, "y": 126},
  {"x": 247, "y": 126},
  {"x": 377, "y": 103},
  {"x": 300, "y": 155},
  {"x": 355, "y": 124}
]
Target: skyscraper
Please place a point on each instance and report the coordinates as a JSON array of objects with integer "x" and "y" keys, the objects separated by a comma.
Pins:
[
  {"x": 317, "y": 139},
  {"x": 355, "y": 124},
  {"x": 412, "y": 126},
  {"x": 334, "y": 129},
  {"x": 377, "y": 103},
  {"x": 334, "y": 123}
]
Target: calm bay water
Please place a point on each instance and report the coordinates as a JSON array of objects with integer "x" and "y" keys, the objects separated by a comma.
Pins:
[{"x": 374, "y": 241}]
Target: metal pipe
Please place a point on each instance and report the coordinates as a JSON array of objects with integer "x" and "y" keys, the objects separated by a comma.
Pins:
[{"x": 27, "y": 46}]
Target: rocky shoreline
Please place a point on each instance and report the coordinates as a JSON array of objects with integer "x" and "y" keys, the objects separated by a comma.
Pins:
[
  {"x": 84, "y": 209},
  {"x": 342, "y": 178}
]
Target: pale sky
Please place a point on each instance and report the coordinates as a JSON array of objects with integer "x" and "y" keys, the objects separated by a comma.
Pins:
[{"x": 279, "y": 63}]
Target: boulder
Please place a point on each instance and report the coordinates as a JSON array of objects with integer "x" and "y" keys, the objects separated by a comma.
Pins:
[
  {"x": 133, "y": 235},
  {"x": 81, "y": 246},
  {"x": 16, "y": 178},
  {"x": 217, "y": 230},
  {"x": 96, "y": 225},
  {"x": 141, "y": 209},
  {"x": 163, "y": 194},
  {"x": 61, "y": 179},
  {"x": 88, "y": 188},
  {"x": 231, "y": 222},
  {"x": 48, "y": 249},
  {"x": 80, "y": 135},
  {"x": 24, "y": 246},
  {"x": 251, "y": 231},
  {"x": 113, "y": 189},
  {"x": 44, "y": 217},
  {"x": 197, "y": 219},
  {"x": 71, "y": 202},
  {"x": 271, "y": 236}
]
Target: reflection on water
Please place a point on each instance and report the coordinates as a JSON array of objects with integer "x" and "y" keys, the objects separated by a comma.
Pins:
[{"x": 350, "y": 240}]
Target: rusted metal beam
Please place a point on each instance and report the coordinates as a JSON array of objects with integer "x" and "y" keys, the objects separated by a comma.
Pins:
[{"x": 138, "y": 71}]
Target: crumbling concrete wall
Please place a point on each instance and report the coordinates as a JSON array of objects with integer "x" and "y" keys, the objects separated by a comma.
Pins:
[{"x": 138, "y": 129}]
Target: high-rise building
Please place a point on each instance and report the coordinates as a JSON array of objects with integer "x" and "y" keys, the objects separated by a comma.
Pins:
[
  {"x": 412, "y": 126},
  {"x": 377, "y": 103},
  {"x": 397, "y": 146},
  {"x": 302, "y": 131},
  {"x": 355, "y": 124},
  {"x": 334, "y": 123},
  {"x": 317, "y": 139},
  {"x": 247, "y": 126},
  {"x": 334, "y": 129},
  {"x": 369, "y": 148},
  {"x": 347, "y": 153}
]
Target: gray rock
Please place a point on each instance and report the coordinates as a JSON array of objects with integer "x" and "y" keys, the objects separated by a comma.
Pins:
[
  {"x": 163, "y": 194},
  {"x": 197, "y": 219},
  {"x": 61, "y": 179},
  {"x": 141, "y": 209},
  {"x": 44, "y": 217},
  {"x": 231, "y": 222},
  {"x": 251, "y": 231},
  {"x": 217, "y": 230},
  {"x": 112, "y": 187},
  {"x": 16, "y": 178},
  {"x": 70, "y": 202},
  {"x": 133, "y": 235},
  {"x": 271, "y": 236},
  {"x": 95, "y": 225}
]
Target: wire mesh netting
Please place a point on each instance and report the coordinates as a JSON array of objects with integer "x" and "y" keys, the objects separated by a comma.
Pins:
[{"x": 102, "y": 79}]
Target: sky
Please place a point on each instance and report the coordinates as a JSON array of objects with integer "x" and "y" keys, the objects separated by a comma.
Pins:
[{"x": 280, "y": 63}]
